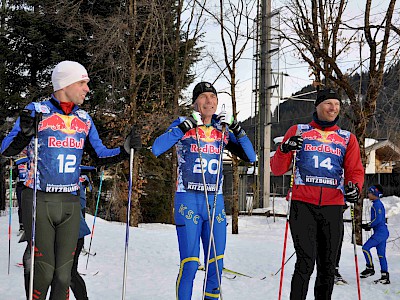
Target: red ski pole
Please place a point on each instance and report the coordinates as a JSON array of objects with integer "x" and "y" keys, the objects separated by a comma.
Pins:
[
  {"x": 287, "y": 226},
  {"x": 353, "y": 223}
]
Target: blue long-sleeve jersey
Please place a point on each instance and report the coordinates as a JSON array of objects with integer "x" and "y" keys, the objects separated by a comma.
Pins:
[
  {"x": 61, "y": 142},
  {"x": 189, "y": 164},
  {"x": 378, "y": 217}
]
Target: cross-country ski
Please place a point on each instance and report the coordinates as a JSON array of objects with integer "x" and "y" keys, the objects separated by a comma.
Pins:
[
  {"x": 255, "y": 251},
  {"x": 258, "y": 139}
]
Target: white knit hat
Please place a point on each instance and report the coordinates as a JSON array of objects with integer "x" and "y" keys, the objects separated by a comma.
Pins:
[{"x": 67, "y": 72}]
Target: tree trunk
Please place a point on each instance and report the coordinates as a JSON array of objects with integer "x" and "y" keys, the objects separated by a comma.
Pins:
[
  {"x": 135, "y": 207},
  {"x": 235, "y": 196}
]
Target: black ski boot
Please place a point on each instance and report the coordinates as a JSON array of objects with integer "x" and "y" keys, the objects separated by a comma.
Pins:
[
  {"x": 338, "y": 278},
  {"x": 21, "y": 229},
  {"x": 384, "y": 278},
  {"x": 369, "y": 271}
]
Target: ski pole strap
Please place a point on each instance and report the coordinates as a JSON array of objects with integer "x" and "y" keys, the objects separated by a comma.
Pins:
[{"x": 38, "y": 118}]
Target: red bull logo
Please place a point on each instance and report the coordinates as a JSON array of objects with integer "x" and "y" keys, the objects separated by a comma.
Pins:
[
  {"x": 313, "y": 135},
  {"x": 206, "y": 134},
  {"x": 323, "y": 148},
  {"x": 67, "y": 124},
  {"x": 209, "y": 149},
  {"x": 79, "y": 126},
  {"x": 336, "y": 139},
  {"x": 191, "y": 134},
  {"x": 324, "y": 136},
  {"x": 54, "y": 122},
  {"x": 69, "y": 143}
]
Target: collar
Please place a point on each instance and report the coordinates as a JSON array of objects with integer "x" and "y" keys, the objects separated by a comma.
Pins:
[
  {"x": 66, "y": 108},
  {"x": 324, "y": 125}
]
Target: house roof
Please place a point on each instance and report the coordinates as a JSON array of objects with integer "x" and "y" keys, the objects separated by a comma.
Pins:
[{"x": 385, "y": 150}]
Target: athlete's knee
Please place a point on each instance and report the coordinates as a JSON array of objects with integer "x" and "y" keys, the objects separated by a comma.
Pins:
[
  {"x": 26, "y": 260},
  {"x": 44, "y": 273},
  {"x": 190, "y": 268},
  {"x": 63, "y": 275},
  {"x": 304, "y": 267},
  {"x": 365, "y": 248}
]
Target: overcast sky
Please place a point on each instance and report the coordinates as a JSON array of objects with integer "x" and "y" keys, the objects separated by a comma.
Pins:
[{"x": 297, "y": 70}]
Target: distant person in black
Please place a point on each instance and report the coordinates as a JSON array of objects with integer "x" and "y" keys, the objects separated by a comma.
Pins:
[{"x": 3, "y": 184}]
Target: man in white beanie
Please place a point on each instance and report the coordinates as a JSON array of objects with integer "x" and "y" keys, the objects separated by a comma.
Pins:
[{"x": 63, "y": 130}]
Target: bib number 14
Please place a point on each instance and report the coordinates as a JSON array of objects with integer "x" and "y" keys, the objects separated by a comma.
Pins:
[{"x": 326, "y": 163}]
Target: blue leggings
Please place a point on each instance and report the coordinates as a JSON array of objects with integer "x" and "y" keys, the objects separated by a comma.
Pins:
[
  {"x": 378, "y": 241},
  {"x": 192, "y": 223}
]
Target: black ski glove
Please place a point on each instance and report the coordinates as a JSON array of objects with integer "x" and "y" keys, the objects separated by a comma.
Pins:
[
  {"x": 351, "y": 192},
  {"x": 292, "y": 144},
  {"x": 236, "y": 129},
  {"x": 27, "y": 123},
  {"x": 191, "y": 122},
  {"x": 366, "y": 226},
  {"x": 133, "y": 140}
]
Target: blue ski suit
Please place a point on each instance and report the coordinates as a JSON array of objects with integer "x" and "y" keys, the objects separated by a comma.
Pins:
[
  {"x": 22, "y": 174},
  {"x": 190, "y": 213},
  {"x": 61, "y": 141},
  {"x": 78, "y": 285},
  {"x": 380, "y": 236}
]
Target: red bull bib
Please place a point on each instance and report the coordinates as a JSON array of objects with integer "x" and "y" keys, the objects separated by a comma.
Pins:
[
  {"x": 320, "y": 161},
  {"x": 61, "y": 141},
  {"x": 189, "y": 164}
]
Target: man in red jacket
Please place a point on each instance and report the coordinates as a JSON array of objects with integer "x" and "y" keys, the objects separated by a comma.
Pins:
[{"x": 327, "y": 159}]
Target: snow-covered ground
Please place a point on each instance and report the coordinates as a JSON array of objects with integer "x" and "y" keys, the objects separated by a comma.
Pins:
[{"x": 153, "y": 261}]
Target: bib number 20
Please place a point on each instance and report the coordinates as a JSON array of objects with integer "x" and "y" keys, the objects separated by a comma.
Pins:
[{"x": 210, "y": 166}]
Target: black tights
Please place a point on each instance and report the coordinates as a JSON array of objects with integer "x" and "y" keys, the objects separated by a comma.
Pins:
[{"x": 78, "y": 285}]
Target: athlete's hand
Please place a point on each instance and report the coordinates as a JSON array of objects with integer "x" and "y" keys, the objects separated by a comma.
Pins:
[
  {"x": 292, "y": 144},
  {"x": 366, "y": 226},
  {"x": 191, "y": 122},
  {"x": 351, "y": 192},
  {"x": 27, "y": 123},
  {"x": 224, "y": 118},
  {"x": 133, "y": 140},
  {"x": 229, "y": 120}
]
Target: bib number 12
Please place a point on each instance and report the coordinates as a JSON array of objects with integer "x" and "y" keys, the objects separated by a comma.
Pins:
[{"x": 66, "y": 163}]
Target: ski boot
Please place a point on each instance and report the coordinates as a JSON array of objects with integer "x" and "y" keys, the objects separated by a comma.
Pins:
[
  {"x": 384, "y": 278},
  {"x": 338, "y": 278},
  {"x": 21, "y": 229},
  {"x": 369, "y": 271}
]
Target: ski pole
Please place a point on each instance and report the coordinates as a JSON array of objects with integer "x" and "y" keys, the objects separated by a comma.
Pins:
[
  {"x": 38, "y": 117},
  {"x": 95, "y": 214},
  {"x": 128, "y": 217},
  {"x": 353, "y": 224},
  {"x": 9, "y": 217},
  {"x": 287, "y": 225},
  {"x": 285, "y": 262},
  {"x": 211, "y": 219}
]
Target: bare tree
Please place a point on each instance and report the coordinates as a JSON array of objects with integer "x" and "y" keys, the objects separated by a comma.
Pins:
[
  {"x": 188, "y": 31},
  {"x": 235, "y": 20},
  {"x": 323, "y": 38}
]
